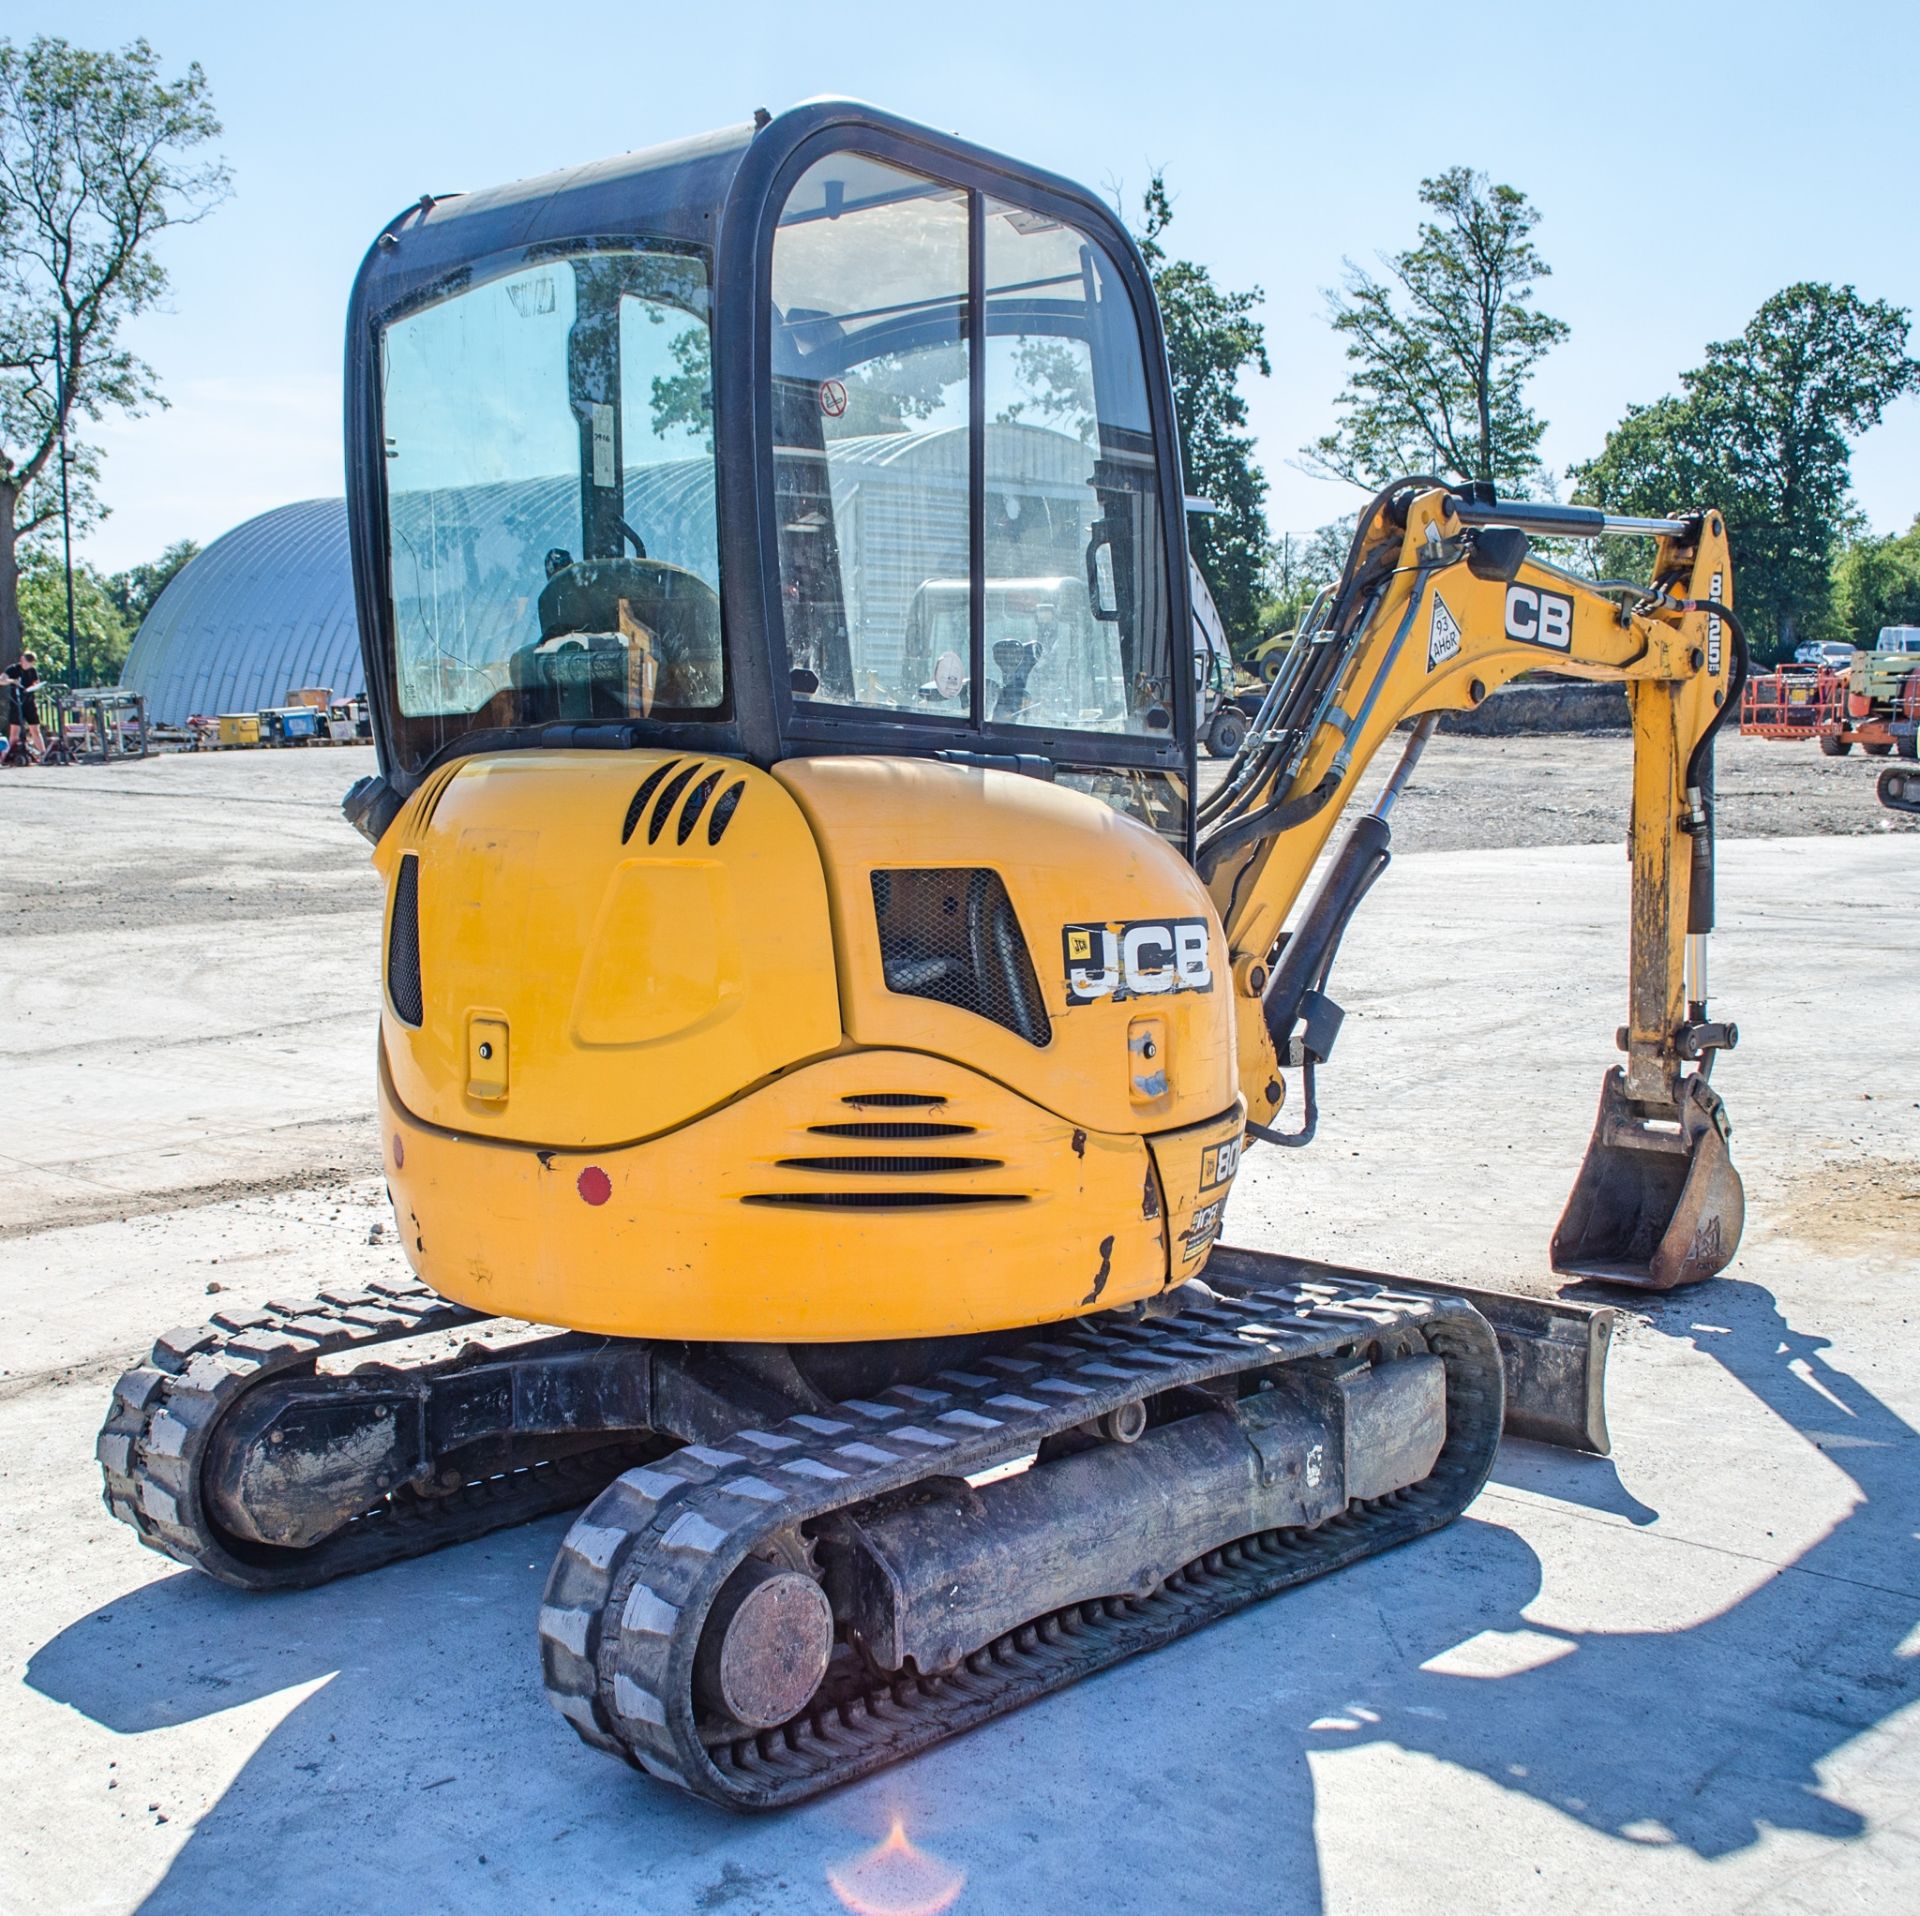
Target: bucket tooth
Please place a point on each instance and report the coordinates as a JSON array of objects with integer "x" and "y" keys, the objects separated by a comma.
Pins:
[{"x": 1658, "y": 1202}]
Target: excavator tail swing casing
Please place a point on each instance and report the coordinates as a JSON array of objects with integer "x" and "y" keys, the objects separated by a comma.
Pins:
[{"x": 1658, "y": 1203}]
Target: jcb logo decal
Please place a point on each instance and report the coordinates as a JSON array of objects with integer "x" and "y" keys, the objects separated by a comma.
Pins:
[
  {"x": 1540, "y": 618},
  {"x": 1201, "y": 1232},
  {"x": 1135, "y": 958},
  {"x": 1218, "y": 1163}
]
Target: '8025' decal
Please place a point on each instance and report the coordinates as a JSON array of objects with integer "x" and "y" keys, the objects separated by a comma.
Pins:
[{"x": 1135, "y": 958}]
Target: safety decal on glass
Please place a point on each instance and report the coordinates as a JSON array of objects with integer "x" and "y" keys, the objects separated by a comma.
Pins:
[
  {"x": 1135, "y": 958},
  {"x": 605, "y": 472},
  {"x": 1443, "y": 636}
]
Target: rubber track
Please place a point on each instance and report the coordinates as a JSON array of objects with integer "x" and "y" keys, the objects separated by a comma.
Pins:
[
  {"x": 164, "y": 1412},
  {"x": 633, "y": 1581}
]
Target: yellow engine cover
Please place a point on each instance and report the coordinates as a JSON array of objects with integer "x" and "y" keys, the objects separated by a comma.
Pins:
[
  {"x": 624, "y": 975},
  {"x": 673, "y": 1048}
]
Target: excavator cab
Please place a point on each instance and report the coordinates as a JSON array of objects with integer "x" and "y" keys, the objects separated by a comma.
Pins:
[{"x": 821, "y": 435}]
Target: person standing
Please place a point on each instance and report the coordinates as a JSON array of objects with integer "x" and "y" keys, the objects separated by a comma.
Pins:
[
  {"x": 28, "y": 696},
  {"x": 14, "y": 753}
]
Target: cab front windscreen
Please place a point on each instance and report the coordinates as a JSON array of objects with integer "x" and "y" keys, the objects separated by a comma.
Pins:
[{"x": 552, "y": 543}]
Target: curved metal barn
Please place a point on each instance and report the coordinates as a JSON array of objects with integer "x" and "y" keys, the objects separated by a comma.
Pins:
[{"x": 267, "y": 607}]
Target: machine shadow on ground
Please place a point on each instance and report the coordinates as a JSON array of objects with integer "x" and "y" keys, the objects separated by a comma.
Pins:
[{"x": 426, "y": 1770}]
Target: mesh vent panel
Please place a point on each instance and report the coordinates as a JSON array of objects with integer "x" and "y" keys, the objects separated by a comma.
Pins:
[
  {"x": 403, "y": 944},
  {"x": 951, "y": 935}
]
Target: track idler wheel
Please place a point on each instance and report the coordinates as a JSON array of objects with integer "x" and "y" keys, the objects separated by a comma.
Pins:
[
  {"x": 765, "y": 1647},
  {"x": 1658, "y": 1202},
  {"x": 1900, "y": 790}
]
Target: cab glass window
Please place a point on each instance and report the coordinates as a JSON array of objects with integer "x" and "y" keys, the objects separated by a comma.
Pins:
[
  {"x": 968, "y": 525},
  {"x": 871, "y": 436},
  {"x": 1075, "y": 588},
  {"x": 552, "y": 542}
]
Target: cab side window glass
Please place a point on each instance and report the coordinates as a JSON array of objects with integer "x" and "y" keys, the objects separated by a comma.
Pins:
[
  {"x": 871, "y": 436},
  {"x": 879, "y": 470},
  {"x": 551, "y": 527},
  {"x": 1075, "y": 587}
]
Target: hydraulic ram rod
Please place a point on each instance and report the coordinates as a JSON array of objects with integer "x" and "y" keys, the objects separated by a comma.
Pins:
[{"x": 1563, "y": 522}]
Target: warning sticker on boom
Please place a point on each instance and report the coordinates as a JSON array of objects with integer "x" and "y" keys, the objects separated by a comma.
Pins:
[{"x": 1443, "y": 636}]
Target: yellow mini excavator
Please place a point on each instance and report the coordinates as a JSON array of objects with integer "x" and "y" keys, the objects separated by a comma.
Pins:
[{"x": 821, "y": 1027}]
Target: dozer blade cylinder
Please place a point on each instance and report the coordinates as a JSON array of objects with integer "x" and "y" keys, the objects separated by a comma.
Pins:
[
  {"x": 1658, "y": 1202},
  {"x": 948, "y": 1572}
]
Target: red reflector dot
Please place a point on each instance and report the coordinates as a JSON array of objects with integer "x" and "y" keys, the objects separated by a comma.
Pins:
[
  {"x": 399, "y": 1151},
  {"x": 594, "y": 1185}
]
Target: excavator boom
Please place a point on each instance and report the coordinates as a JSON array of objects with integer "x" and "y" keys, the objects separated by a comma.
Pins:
[{"x": 1441, "y": 602}]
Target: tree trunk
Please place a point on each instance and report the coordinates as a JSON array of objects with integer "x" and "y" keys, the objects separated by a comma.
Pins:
[{"x": 12, "y": 634}]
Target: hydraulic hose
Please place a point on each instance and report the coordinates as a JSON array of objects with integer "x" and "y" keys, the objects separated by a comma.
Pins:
[
  {"x": 1736, "y": 680},
  {"x": 1269, "y": 822},
  {"x": 1700, "y": 779}
]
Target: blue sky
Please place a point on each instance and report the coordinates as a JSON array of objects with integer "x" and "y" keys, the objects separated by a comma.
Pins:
[{"x": 1684, "y": 171}]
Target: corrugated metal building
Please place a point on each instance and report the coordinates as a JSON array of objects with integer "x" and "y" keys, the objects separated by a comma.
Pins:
[{"x": 267, "y": 607}]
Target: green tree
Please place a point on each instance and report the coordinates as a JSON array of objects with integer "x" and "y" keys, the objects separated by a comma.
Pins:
[
  {"x": 1212, "y": 338},
  {"x": 1764, "y": 430},
  {"x": 100, "y": 626},
  {"x": 1440, "y": 350},
  {"x": 93, "y": 168},
  {"x": 134, "y": 591},
  {"x": 1876, "y": 582},
  {"x": 1299, "y": 567}
]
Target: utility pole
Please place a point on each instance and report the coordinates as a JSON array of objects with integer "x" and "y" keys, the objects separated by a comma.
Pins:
[{"x": 66, "y": 505}]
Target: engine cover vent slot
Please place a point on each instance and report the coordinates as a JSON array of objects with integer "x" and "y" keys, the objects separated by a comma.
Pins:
[
  {"x": 892, "y": 1128},
  {"x": 950, "y": 934},
  {"x": 664, "y": 804},
  {"x": 695, "y": 805},
  {"x": 638, "y": 803},
  {"x": 881, "y": 1167},
  {"x": 894, "y": 1100},
  {"x": 722, "y": 814},
  {"x": 403, "y": 944},
  {"x": 880, "y": 1200}
]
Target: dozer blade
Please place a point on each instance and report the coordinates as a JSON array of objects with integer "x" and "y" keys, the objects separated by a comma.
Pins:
[
  {"x": 1658, "y": 1203},
  {"x": 1553, "y": 1353}
]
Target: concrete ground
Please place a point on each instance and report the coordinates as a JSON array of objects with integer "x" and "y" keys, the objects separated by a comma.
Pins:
[{"x": 1685, "y": 1677}]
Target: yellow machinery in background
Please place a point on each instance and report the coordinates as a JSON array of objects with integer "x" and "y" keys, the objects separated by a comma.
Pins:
[{"x": 815, "y": 1002}]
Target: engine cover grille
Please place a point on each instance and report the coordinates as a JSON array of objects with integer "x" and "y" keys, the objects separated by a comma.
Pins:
[
  {"x": 950, "y": 934},
  {"x": 403, "y": 944}
]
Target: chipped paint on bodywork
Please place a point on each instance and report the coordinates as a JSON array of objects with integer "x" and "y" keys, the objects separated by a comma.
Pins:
[{"x": 1100, "y": 1276}]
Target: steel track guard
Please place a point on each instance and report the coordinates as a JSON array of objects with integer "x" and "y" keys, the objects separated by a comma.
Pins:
[
  {"x": 1900, "y": 790},
  {"x": 1658, "y": 1202}
]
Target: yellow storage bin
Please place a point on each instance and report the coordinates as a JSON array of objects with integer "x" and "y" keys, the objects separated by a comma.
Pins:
[{"x": 239, "y": 728}]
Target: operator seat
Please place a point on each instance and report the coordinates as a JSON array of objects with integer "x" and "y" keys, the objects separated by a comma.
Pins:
[{"x": 621, "y": 638}]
